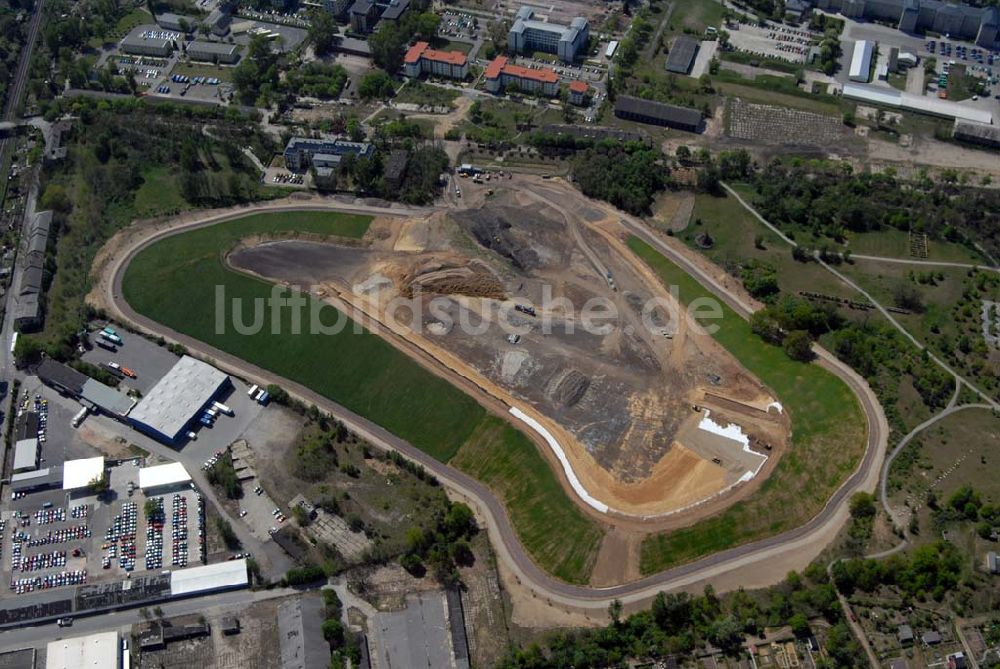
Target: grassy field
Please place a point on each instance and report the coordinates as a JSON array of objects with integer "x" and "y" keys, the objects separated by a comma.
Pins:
[
  {"x": 174, "y": 282},
  {"x": 893, "y": 243},
  {"x": 696, "y": 15},
  {"x": 506, "y": 461},
  {"x": 828, "y": 439},
  {"x": 420, "y": 93},
  {"x": 734, "y": 232},
  {"x": 758, "y": 91},
  {"x": 203, "y": 70},
  {"x": 443, "y": 44},
  {"x": 970, "y": 437},
  {"x": 158, "y": 193}
]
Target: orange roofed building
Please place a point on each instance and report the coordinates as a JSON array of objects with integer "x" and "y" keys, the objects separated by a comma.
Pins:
[
  {"x": 578, "y": 92},
  {"x": 421, "y": 59},
  {"x": 501, "y": 73}
]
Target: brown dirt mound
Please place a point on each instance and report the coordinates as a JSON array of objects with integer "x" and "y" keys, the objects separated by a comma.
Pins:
[
  {"x": 470, "y": 281},
  {"x": 571, "y": 388}
]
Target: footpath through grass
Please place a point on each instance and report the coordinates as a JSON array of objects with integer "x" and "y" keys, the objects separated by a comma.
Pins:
[
  {"x": 175, "y": 281},
  {"x": 828, "y": 438}
]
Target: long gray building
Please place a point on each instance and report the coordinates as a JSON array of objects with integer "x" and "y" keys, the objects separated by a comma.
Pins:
[
  {"x": 213, "y": 52},
  {"x": 149, "y": 41},
  {"x": 977, "y": 24},
  {"x": 28, "y": 310}
]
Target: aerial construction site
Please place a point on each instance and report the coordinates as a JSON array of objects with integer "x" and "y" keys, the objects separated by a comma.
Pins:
[{"x": 534, "y": 305}]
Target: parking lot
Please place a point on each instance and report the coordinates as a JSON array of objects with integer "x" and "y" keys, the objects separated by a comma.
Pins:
[
  {"x": 149, "y": 361},
  {"x": 54, "y": 538},
  {"x": 460, "y": 25},
  {"x": 773, "y": 41}
]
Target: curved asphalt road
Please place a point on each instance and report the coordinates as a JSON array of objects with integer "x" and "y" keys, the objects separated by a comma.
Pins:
[{"x": 745, "y": 559}]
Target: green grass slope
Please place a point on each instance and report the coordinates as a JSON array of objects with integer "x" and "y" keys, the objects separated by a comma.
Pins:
[{"x": 828, "y": 438}]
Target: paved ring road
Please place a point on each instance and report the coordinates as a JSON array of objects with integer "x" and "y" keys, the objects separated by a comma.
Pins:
[{"x": 739, "y": 565}]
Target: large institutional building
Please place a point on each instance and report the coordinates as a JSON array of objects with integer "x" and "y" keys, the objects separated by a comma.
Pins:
[
  {"x": 421, "y": 59},
  {"x": 501, "y": 74},
  {"x": 528, "y": 35},
  {"x": 978, "y": 24}
]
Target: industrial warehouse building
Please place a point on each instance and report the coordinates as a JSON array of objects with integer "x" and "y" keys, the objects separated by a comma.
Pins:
[
  {"x": 39, "y": 479},
  {"x": 861, "y": 61},
  {"x": 27, "y": 455},
  {"x": 977, "y": 133},
  {"x": 680, "y": 60},
  {"x": 91, "y": 393},
  {"x": 502, "y": 74},
  {"x": 923, "y": 104},
  {"x": 102, "y": 649},
  {"x": 528, "y": 35},
  {"x": 149, "y": 41},
  {"x": 177, "y": 399},
  {"x": 300, "y": 621},
  {"x": 161, "y": 479},
  {"x": 28, "y": 309},
  {"x": 228, "y": 575},
  {"x": 421, "y": 59},
  {"x": 658, "y": 113},
  {"x": 213, "y": 52}
]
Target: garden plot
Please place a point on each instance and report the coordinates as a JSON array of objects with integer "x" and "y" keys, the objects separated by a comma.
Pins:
[{"x": 779, "y": 125}]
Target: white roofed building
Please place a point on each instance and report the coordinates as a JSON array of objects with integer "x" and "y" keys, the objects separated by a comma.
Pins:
[
  {"x": 26, "y": 455},
  {"x": 79, "y": 474},
  {"x": 160, "y": 479},
  {"x": 861, "y": 61},
  {"x": 227, "y": 575},
  {"x": 97, "y": 651}
]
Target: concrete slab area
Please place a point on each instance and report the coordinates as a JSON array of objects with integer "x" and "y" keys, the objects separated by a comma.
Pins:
[
  {"x": 418, "y": 636},
  {"x": 706, "y": 52}
]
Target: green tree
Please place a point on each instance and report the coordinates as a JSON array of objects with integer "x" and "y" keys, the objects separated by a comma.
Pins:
[
  {"x": 798, "y": 345},
  {"x": 323, "y": 31},
  {"x": 862, "y": 505},
  {"x": 377, "y": 84}
]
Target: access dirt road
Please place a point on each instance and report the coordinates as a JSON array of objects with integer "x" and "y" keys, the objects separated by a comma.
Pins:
[{"x": 756, "y": 564}]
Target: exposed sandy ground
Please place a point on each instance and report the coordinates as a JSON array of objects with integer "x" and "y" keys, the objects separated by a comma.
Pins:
[
  {"x": 932, "y": 153},
  {"x": 445, "y": 122}
]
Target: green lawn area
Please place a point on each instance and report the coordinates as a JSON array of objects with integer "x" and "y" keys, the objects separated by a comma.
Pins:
[
  {"x": 174, "y": 282},
  {"x": 545, "y": 57},
  {"x": 203, "y": 70},
  {"x": 562, "y": 537},
  {"x": 892, "y": 243},
  {"x": 696, "y": 14},
  {"x": 420, "y": 93},
  {"x": 734, "y": 231},
  {"x": 764, "y": 91},
  {"x": 158, "y": 194},
  {"x": 971, "y": 433},
  {"x": 442, "y": 44},
  {"x": 134, "y": 18},
  {"x": 828, "y": 438}
]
